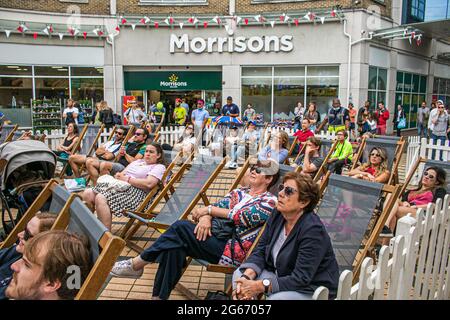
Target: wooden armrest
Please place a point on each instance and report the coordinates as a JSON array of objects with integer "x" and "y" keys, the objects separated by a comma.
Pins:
[
  {"x": 220, "y": 268},
  {"x": 140, "y": 214}
]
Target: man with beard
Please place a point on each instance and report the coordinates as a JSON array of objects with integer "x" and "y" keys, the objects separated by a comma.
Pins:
[{"x": 43, "y": 272}]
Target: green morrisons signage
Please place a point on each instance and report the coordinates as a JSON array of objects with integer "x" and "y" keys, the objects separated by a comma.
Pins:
[{"x": 175, "y": 80}]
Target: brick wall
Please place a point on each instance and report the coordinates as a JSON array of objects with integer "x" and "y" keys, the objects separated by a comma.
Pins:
[
  {"x": 100, "y": 7},
  {"x": 219, "y": 7}
]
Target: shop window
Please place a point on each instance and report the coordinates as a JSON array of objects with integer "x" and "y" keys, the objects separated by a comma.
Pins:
[
  {"x": 410, "y": 92},
  {"x": 15, "y": 92},
  {"x": 322, "y": 91},
  {"x": 86, "y": 71},
  {"x": 60, "y": 71},
  {"x": 87, "y": 89},
  {"x": 287, "y": 92},
  {"x": 258, "y": 92},
  {"x": 15, "y": 70},
  {"x": 257, "y": 71},
  {"x": 290, "y": 71},
  {"x": 322, "y": 71},
  {"x": 377, "y": 86},
  {"x": 52, "y": 88}
]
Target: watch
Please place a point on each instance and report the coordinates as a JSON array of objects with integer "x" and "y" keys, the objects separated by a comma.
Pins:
[
  {"x": 266, "y": 284},
  {"x": 209, "y": 210}
]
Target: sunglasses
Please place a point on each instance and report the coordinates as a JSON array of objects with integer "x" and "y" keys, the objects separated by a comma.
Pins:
[
  {"x": 138, "y": 134},
  {"x": 288, "y": 191},
  {"x": 119, "y": 133},
  {"x": 27, "y": 235},
  {"x": 429, "y": 175},
  {"x": 256, "y": 168},
  {"x": 373, "y": 154}
]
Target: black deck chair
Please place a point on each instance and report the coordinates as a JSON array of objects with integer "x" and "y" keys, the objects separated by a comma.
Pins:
[
  {"x": 105, "y": 248},
  {"x": 349, "y": 210},
  {"x": 394, "y": 149},
  {"x": 60, "y": 200},
  {"x": 180, "y": 201},
  {"x": 7, "y": 132},
  {"x": 419, "y": 167}
]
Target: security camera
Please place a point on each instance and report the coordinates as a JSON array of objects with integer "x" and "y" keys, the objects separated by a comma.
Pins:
[
  {"x": 356, "y": 2},
  {"x": 363, "y": 32}
]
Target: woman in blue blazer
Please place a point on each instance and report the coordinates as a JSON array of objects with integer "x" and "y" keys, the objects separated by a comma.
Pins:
[{"x": 294, "y": 255}]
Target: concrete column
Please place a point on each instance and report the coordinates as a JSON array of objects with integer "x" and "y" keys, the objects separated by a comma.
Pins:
[
  {"x": 232, "y": 7},
  {"x": 391, "y": 85},
  {"x": 113, "y": 7},
  {"x": 231, "y": 84},
  {"x": 109, "y": 86}
]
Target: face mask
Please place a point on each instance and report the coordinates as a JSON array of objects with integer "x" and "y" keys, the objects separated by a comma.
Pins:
[{"x": 336, "y": 108}]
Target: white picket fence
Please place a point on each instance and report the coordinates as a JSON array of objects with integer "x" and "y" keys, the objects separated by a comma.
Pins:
[{"x": 416, "y": 265}]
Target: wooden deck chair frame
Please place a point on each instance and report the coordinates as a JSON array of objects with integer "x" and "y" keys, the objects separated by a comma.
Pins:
[
  {"x": 111, "y": 247},
  {"x": 75, "y": 149},
  {"x": 143, "y": 218},
  {"x": 10, "y": 136},
  {"x": 300, "y": 152},
  {"x": 291, "y": 150},
  {"x": 323, "y": 167},
  {"x": 125, "y": 233},
  {"x": 393, "y": 178},
  {"x": 32, "y": 210},
  {"x": 130, "y": 133}
]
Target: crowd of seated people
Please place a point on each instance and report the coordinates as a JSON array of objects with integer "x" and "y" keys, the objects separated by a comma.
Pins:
[{"x": 293, "y": 257}]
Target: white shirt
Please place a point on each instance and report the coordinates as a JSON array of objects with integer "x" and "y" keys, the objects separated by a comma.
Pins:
[
  {"x": 433, "y": 114},
  {"x": 73, "y": 110}
]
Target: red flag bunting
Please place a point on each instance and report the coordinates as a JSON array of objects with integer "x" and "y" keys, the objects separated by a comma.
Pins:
[
  {"x": 20, "y": 28},
  {"x": 72, "y": 31},
  {"x": 85, "y": 35},
  {"x": 123, "y": 21},
  {"x": 191, "y": 20},
  {"x": 296, "y": 21},
  {"x": 333, "y": 13},
  {"x": 118, "y": 29},
  {"x": 281, "y": 18},
  {"x": 205, "y": 24},
  {"x": 246, "y": 21},
  {"x": 142, "y": 21},
  {"x": 156, "y": 24},
  {"x": 35, "y": 35},
  {"x": 171, "y": 20}
]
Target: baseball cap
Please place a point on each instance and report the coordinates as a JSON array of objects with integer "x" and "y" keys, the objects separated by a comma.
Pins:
[
  {"x": 252, "y": 122},
  {"x": 177, "y": 100},
  {"x": 440, "y": 101},
  {"x": 229, "y": 98},
  {"x": 233, "y": 127}
]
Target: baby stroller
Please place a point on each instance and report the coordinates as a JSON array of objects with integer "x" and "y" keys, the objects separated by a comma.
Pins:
[{"x": 25, "y": 168}]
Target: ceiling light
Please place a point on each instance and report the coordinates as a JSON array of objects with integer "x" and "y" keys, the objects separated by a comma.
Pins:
[{"x": 12, "y": 67}]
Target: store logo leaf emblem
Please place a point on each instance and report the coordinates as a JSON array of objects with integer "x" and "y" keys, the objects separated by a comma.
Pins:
[{"x": 173, "y": 78}]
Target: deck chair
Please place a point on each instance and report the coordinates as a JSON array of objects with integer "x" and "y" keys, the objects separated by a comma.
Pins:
[
  {"x": 171, "y": 158},
  {"x": 326, "y": 150},
  {"x": 350, "y": 212},
  {"x": 130, "y": 133},
  {"x": 394, "y": 151},
  {"x": 7, "y": 132},
  {"x": 180, "y": 201},
  {"x": 419, "y": 167},
  {"x": 389, "y": 138},
  {"x": 105, "y": 248},
  {"x": 76, "y": 148},
  {"x": 60, "y": 202}
]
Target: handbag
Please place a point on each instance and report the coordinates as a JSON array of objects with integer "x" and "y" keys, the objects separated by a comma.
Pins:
[
  {"x": 217, "y": 295},
  {"x": 402, "y": 123},
  {"x": 222, "y": 228}
]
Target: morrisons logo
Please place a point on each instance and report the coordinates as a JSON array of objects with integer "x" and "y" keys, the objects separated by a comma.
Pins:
[{"x": 173, "y": 83}]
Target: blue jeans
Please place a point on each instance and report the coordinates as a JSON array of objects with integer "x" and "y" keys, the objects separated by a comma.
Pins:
[
  {"x": 234, "y": 152},
  {"x": 435, "y": 139},
  {"x": 297, "y": 126},
  {"x": 422, "y": 130},
  {"x": 171, "y": 250}
]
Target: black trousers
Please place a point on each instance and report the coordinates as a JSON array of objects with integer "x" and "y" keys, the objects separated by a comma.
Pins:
[
  {"x": 171, "y": 250},
  {"x": 336, "y": 167}
]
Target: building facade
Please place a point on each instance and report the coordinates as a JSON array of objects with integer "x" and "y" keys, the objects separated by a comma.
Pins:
[{"x": 271, "y": 54}]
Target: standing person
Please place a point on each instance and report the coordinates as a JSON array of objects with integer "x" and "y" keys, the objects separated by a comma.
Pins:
[
  {"x": 70, "y": 114},
  {"x": 337, "y": 117},
  {"x": 313, "y": 116},
  {"x": 95, "y": 119},
  {"x": 157, "y": 113},
  {"x": 433, "y": 111},
  {"x": 134, "y": 114},
  {"x": 399, "y": 117},
  {"x": 352, "y": 115},
  {"x": 230, "y": 109},
  {"x": 106, "y": 115},
  {"x": 382, "y": 115},
  {"x": 303, "y": 134},
  {"x": 423, "y": 115},
  {"x": 363, "y": 114},
  {"x": 439, "y": 120},
  {"x": 298, "y": 115},
  {"x": 199, "y": 118},
  {"x": 249, "y": 113},
  {"x": 179, "y": 113}
]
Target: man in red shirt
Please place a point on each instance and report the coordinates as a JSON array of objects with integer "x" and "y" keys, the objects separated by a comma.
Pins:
[
  {"x": 305, "y": 133},
  {"x": 382, "y": 115}
]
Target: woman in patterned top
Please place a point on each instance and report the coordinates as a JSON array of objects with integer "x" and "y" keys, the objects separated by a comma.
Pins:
[
  {"x": 246, "y": 209},
  {"x": 376, "y": 170}
]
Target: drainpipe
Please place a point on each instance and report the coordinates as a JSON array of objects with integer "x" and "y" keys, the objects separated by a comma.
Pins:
[
  {"x": 110, "y": 40},
  {"x": 232, "y": 7},
  {"x": 350, "y": 45}
]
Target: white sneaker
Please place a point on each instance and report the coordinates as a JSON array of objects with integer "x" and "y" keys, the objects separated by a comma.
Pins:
[
  {"x": 124, "y": 269},
  {"x": 228, "y": 164},
  {"x": 233, "y": 165}
]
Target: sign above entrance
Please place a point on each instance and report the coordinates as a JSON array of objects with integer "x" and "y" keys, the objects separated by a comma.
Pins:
[
  {"x": 173, "y": 80},
  {"x": 239, "y": 44}
]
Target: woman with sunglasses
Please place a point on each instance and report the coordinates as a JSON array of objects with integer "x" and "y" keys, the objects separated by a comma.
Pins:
[
  {"x": 431, "y": 187},
  {"x": 376, "y": 170},
  {"x": 128, "y": 188},
  {"x": 243, "y": 210},
  {"x": 186, "y": 142},
  {"x": 294, "y": 255},
  {"x": 41, "y": 222}
]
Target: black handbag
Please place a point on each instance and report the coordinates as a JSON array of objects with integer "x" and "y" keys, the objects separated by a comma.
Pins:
[
  {"x": 222, "y": 228},
  {"x": 217, "y": 295}
]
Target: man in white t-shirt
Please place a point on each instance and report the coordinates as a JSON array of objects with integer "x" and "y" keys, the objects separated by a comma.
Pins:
[
  {"x": 70, "y": 114},
  {"x": 107, "y": 151}
]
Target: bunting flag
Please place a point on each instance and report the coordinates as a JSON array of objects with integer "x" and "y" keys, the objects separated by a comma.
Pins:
[
  {"x": 181, "y": 25},
  {"x": 97, "y": 32},
  {"x": 322, "y": 19},
  {"x": 333, "y": 13},
  {"x": 8, "y": 33},
  {"x": 84, "y": 35},
  {"x": 246, "y": 21},
  {"x": 282, "y": 18},
  {"x": 238, "y": 19},
  {"x": 258, "y": 18},
  {"x": 296, "y": 21},
  {"x": 22, "y": 28},
  {"x": 272, "y": 23},
  {"x": 156, "y": 24},
  {"x": 145, "y": 20},
  {"x": 191, "y": 20},
  {"x": 171, "y": 20},
  {"x": 117, "y": 29},
  {"x": 133, "y": 26},
  {"x": 123, "y": 20},
  {"x": 35, "y": 35},
  {"x": 50, "y": 28},
  {"x": 217, "y": 19},
  {"x": 312, "y": 16},
  {"x": 61, "y": 36},
  {"x": 286, "y": 18},
  {"x": 167, "y": 21},
  {"x": 419, "y": 40},
  {"x": 205, "y": 24},
  {"x": 46, "y": 31}
]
